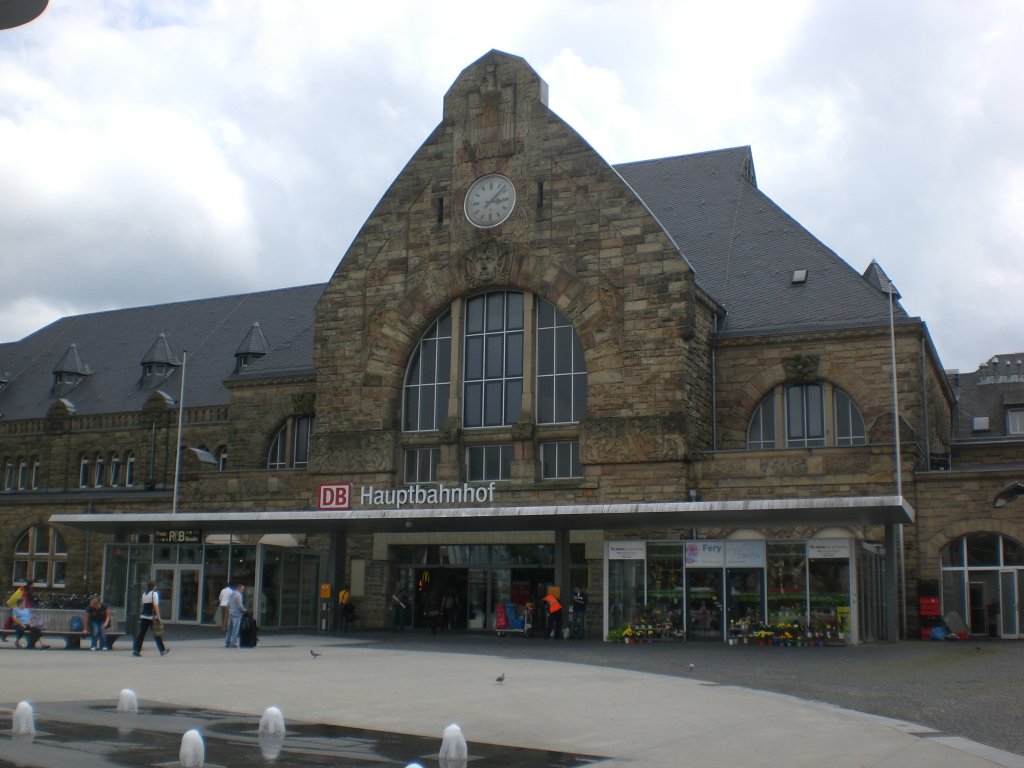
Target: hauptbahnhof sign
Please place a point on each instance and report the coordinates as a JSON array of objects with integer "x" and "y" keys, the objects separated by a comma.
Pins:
[{"x": 340, "y": 495}]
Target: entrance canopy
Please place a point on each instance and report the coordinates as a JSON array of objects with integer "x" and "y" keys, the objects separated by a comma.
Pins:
[{"x": 842, "y": 510}]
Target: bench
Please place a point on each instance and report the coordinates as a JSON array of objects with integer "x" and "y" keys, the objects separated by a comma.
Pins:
[{"x": 57, "y": 624}]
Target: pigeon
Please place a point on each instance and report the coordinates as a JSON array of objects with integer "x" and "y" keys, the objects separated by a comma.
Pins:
[
  {"x": 314, "y": 654},
  {"x": 692, "y": 667},
  {"x": 500, "y": 678}
]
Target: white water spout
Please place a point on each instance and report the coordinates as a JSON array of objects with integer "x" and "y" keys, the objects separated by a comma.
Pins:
[
  {"x": 127, "y": 702},
  {"x": 193, "y": 752},
  {"x": 453, "y": 744},
  {"x": 272, "y": 722},
  {"x": 23, "y": 720}
]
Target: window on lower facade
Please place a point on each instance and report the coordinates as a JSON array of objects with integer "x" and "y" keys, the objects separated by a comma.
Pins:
[
  {"x": 489, "y": 462},
  {"x": 293, "y": 452},
  {"x": 40, "y": 558},
  {"x": 560, "y": 460},
  {"x": 801, "y": 413},
  {"x": 421, "y": 465}
]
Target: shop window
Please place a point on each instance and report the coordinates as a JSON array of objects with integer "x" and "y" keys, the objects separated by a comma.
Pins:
[
  {"x": 40, "y": 557},
  {"x": 560, "y": 460},
  {"x": 489, "y": 462},
  {"x": 800, "y": 412},
  {"x": 421, "y": 465},
  {"x": 787, "y": 582}
]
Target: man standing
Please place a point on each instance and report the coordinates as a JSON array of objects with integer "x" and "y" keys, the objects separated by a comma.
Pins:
[
  {"x": 344, "y": 607},
  {"x": 222, "y": 606},
  {"x": 579, "y": 612},
  {"x": 236, "y": 610},
  {"x": 98, "y": 616}
]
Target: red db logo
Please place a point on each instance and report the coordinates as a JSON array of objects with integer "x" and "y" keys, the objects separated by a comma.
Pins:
[{"x": 335, "y": 495}]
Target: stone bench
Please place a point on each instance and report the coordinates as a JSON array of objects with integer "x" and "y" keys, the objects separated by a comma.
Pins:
[{"x": 57, "y": 624}]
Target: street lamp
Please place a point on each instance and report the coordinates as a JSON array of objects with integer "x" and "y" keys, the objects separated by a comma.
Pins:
[{"x": 1008, "y": 493}]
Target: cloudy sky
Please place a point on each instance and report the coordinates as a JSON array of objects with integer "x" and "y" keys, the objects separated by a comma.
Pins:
[{"x": 164, "y": 150}]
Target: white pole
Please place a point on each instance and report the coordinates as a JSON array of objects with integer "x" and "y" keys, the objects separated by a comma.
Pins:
[
  {"x": 181, "y": 417},
  {"x": 898, "y": 461}
]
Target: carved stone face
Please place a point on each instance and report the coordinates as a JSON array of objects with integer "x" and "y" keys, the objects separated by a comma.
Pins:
[{"x": 487, "y": 262}]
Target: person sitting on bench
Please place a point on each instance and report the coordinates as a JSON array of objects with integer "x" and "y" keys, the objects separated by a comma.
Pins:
[{"x": 22, "y": 619}]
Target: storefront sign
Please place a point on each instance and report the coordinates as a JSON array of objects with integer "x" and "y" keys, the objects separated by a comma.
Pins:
[
  {"x": 179, "y": 536},
  {"x": 745, "y": 554},
  {"x": 626, "y": 550},
  {"x": 828, "y": 548},
  {"x": 706, "y": 553},
  {"x": 339, "y": 495}
]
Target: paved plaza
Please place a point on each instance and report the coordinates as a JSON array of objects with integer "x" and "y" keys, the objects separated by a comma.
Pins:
[{"x": 917, "y": 704}]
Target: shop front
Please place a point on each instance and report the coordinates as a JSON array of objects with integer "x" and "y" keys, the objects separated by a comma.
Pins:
[
  {"x": 983, "y": 583},
  {"x": 721, "y": 589}
]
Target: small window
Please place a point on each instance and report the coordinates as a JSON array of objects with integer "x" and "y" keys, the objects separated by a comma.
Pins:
[
  {"x": 761, "y": 432},
  {"x": 99, "y": 471},
  {"x": 561, "y": 460},
  {"x": 35, "y": 472},
  {"x": 421, "y": 465},
  {"x": 129, "y": 469},
  {"x": 83, "y": 472},
  {"x": 849, "y": 424},
  {"x": 222, "y": 458},
  {"x": 295, "y": 455},
  {"x": 276, "y": 455},
  {"x": 22, "y": 473},
  {"x": 115, "y": 470},
  {"x": 40, "y": 557},
  {"x": 805, "y": 416},
  {"x": 1015, "y": 421},
  {"x": 8, "y": 481},
  {"x": 489, "y": 462}
]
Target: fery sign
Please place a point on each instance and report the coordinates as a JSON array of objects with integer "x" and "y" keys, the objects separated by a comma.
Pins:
[{"x": 339, "y": 495}]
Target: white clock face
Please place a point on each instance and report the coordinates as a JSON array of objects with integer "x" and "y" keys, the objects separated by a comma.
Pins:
[{"x": 490, "y": 201}]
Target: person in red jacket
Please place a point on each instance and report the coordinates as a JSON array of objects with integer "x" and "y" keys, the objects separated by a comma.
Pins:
[{"x": 554, "y": 622}]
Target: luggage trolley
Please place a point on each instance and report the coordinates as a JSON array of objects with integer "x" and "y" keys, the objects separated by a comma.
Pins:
[{"x": 510, "y": 617}]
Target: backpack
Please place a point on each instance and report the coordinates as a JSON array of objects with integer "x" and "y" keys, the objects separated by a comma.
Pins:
[{"x": 76, "y": 623}]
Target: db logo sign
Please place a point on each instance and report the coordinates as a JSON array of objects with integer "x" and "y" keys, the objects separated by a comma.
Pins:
[{"x": 335, "y": 495}]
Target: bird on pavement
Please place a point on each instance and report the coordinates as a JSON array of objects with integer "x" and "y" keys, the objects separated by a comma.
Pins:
[
  {"x": 692, "y": 667},
  {"x": 314, "y": 654},
  {"x": 500, "y": 678}
]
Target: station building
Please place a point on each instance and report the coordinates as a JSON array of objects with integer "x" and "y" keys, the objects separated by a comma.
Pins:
[{"x": 530, "y": 370}]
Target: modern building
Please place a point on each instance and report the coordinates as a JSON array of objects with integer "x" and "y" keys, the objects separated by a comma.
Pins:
[{"x": 530, "y": 370}]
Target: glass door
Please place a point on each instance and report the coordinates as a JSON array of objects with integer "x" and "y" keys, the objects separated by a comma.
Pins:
[
  {"x": 1010, "y": 603},
  {"x": 179, "y": 592},
  {"x": 704, "y": 604}
]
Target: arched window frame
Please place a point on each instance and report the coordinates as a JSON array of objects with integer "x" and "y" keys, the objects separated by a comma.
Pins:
[
  {"x": 289, "y": 449},
  {"x": 810, "y": 415},
  {"x": 518, "y": 353},
  {"x": 114, "y": 479},
  {"x": 40, "y": 558},
  {"x": 83, "y": 471},
  {"x": 36, "y": 473},
  {"x": 99, "y": 475},
  {"x": 129, "y": 469}
]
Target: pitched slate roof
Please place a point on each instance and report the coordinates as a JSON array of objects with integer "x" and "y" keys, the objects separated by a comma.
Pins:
[
  {"x": 115, "y": 343},
  {"x": 744, "y": 248}
]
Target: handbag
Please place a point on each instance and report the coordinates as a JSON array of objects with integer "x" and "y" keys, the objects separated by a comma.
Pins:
[{"x": 158, "y": 629}]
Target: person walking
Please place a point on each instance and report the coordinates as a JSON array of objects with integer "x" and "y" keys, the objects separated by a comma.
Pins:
[
  {"x": 150, "y": 619},
  {"x": 398, "y": 603},
  {"x": 579, "y": 612},
  {"x": 236, "y": 610},
  {"x": 553, "y": 627},
  {"x": 344, "y": 608},
  {"x": 98, "y": 618}
]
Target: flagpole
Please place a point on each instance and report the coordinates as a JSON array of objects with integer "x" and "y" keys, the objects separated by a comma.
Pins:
[
  {"x": 898, "y": 460},
  {"x": 181, "y": 417}
]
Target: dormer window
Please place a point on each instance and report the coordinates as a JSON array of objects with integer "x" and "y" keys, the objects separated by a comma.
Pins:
[
  {"x": 253, "y": 347},
  {"x": 70, "y": 372},
  {"x": 159, "y": 363}
]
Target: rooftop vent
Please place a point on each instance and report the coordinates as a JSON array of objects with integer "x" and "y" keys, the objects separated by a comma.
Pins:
[{"x": 799, "y": 276}]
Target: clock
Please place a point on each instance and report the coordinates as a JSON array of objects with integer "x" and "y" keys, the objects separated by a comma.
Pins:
[{"x": 490, "y": 201}]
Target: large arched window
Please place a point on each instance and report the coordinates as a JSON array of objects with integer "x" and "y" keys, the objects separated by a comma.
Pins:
[
  {"x": 805, "y": 416},
  {"x": 497, "y": 380},
  {"x": 983, "y": 582},
  {"x": 40, "y": 558}
]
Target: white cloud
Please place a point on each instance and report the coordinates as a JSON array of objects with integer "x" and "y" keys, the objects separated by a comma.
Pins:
[{"x": 160, "y": 152}]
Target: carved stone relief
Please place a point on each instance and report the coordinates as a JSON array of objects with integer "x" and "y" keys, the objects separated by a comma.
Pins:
[
  {"x": 633, "y": 440},
  {"x": 801, "y": 368},
  {"x": 358, "y": 452}
]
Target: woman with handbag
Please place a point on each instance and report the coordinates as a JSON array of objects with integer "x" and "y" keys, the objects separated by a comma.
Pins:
[{"x": 150, "y": 618}]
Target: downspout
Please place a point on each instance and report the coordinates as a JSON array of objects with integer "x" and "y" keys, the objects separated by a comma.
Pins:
[{"x": 924, "y": 404}]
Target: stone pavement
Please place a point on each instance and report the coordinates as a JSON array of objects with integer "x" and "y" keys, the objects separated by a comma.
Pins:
[{"x": 637, "y": 705}]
